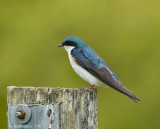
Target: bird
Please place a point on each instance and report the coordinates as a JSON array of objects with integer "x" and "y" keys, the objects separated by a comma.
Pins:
[{"x": 91, "y": 67}]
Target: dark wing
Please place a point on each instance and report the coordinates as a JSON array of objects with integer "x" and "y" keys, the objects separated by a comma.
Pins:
[{"x": 94, "y": 66}]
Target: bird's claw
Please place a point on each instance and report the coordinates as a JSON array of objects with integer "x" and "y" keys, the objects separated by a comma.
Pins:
[{"x": 89, "y": 88}]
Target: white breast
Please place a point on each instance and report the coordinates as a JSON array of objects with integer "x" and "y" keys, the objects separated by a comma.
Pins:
[{"x": 81, "y": 71}]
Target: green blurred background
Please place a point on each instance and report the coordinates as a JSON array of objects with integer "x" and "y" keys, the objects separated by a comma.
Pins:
[{"x": 126, "y": 33}]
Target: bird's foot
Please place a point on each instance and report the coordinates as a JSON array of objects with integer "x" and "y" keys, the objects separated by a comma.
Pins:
[{"x": 89, "y": 88}]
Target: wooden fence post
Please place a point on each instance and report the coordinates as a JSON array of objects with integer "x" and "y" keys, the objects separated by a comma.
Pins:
[{"x": 51, "y": 108}]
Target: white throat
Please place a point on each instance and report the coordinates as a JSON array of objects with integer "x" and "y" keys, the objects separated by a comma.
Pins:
[{"x": 69, "y": 48}]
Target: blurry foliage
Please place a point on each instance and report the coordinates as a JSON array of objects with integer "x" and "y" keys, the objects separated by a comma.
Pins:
[{"x": 125, "y": 33}]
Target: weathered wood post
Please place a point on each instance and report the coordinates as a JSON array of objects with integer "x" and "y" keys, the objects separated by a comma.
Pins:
[{"x": 51, "y": 108}]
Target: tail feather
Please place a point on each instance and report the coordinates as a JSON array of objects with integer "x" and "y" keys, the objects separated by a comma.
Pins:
[
  {"x": 125, "y": 91},
  {"x": 135, "y": 100},
  {"x": 121, "y": 88}
]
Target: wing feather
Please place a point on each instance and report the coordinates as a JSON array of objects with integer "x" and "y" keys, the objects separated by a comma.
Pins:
[{"x": 95, "y": 66}]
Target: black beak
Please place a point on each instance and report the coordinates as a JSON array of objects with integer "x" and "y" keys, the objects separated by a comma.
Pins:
[{"x": 60, "y": 45}]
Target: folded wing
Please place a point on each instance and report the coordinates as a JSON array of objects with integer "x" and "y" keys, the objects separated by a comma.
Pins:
[{"x": 95, "y": 65}]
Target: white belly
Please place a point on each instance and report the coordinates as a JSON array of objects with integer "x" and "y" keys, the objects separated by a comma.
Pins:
[{"x": 82, "y": 72}]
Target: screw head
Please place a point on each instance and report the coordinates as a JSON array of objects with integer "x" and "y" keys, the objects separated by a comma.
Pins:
[{"x": 21, "y": 114}]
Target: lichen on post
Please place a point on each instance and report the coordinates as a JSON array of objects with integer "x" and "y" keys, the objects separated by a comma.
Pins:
[{"x": 77, "y": 108}]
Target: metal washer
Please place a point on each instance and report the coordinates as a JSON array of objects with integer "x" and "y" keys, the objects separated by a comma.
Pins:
[{"x": 26, "y": 109}]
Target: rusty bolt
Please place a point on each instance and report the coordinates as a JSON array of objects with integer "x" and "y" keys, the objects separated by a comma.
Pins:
[{"x": 21, "y": 114}]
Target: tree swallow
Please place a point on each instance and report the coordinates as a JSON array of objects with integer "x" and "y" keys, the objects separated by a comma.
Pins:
[{"x": 91, "y": 67}]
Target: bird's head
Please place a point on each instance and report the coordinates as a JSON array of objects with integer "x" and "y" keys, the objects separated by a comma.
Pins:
[{"x": 72, "y": 42}]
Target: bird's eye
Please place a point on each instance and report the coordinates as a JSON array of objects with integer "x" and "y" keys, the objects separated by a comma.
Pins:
[{"x": 67, "y": 43}]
